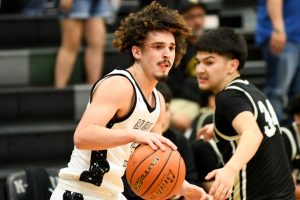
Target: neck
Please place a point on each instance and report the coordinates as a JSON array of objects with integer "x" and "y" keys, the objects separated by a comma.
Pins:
[
  {"x": 145, "y": 83},
  {"x": 228, "y": 81}
]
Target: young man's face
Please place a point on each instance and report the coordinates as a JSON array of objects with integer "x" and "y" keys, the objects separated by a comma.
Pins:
[
  {"x": 213, "y": 71},
  {"x": 194, "y": 18},
  {"x": 158, "y": 54}
]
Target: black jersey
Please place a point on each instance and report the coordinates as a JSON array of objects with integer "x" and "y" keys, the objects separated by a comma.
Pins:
[{"x": 267, "y": 175}]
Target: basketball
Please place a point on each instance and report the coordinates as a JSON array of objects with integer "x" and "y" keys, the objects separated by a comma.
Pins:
[{"x": 155, "y": 174}]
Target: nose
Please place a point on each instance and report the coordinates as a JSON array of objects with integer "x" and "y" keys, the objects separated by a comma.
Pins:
[
  {"x": 167, "y": 53},
  {"x": 199, "y": 68}
]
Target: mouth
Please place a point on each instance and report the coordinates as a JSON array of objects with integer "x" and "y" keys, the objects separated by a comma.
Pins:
[
  {"x": 202, "y": 79},
  {"x": 164, "y": 64}
]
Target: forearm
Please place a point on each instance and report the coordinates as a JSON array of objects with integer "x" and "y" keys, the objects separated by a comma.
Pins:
[
  {"x": 247, "y": 147},
  {"x": 275, "y": 10},
  {"x": 94, "y": 137},
  {"x": 297, "y": 192}
]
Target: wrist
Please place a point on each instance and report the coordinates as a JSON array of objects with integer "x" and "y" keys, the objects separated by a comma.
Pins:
[
  {"x": 232, "y": 168},
  {"x": 277, "y": 30},
  {"x": 183, "y": 188}
]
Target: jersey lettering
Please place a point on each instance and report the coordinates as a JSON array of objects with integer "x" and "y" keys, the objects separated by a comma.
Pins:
[
  {"x": 142, "y": 125},
  {"x": 270, "y": 117},
  {"x": 139, "y": 124}
]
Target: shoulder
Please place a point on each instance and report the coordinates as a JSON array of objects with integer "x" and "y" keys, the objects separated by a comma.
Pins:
[
  {"x": 113, "y": 88},
  {"x": 229, "y": 95}
]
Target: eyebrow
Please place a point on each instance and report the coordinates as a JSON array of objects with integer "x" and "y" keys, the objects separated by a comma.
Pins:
[
  {"x": 173, "y": 44},
  {"x": 206, "y": 58}
]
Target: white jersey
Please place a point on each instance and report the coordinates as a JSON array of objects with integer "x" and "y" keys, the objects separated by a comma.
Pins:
[{"x": 99, "y": 172}]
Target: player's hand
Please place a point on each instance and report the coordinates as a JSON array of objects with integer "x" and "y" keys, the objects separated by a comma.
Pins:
[
  {"x": 206, "y": 132},
  {"x": 223, "y": 184},
  {"x": 154, "y": 140},
  {"x": 193, "y": 192},
  {"x": 65, "y": 5},
  {"x": 277, "y": 41}
]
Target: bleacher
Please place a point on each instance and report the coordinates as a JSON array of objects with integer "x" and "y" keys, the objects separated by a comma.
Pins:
[{"x": 37, "y": 121}]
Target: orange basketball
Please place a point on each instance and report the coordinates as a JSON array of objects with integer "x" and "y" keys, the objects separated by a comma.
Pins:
[{"x": 155, "y": 175}]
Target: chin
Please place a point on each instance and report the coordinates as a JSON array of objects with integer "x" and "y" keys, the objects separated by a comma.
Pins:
[
  {"x": 161, "y": 78},
  {"x": 203, "y": 87}
]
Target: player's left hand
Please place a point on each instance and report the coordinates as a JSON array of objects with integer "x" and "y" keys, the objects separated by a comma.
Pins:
[
  {"x": 223, "y": 184},
  {"x": 193, "y": 192}
]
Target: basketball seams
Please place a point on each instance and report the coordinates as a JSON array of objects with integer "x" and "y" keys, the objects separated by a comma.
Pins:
[
  {"x": 177, "y": 177},
  {"x": 151, "y": 179},
  {"x": 132, "y": 174},
  {"x": 161, "y": 170}
]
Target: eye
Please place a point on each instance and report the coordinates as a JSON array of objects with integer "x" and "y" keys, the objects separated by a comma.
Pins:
[
  {"x": 172, "y": 48},
  {"x": 208, "y": 62},
  {"x": 158, "y": 46}
]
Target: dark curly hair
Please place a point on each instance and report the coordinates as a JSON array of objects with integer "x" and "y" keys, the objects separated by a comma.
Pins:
[{"x": 154, "y": 17}]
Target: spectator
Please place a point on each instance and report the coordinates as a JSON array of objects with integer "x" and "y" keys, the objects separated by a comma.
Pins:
[
  {"x": 187, "y": 99},
  {"x": 256, "y": 166},
  {"x": 81, "y": 18},
  {"x": 33, "y": 8},
  {"x": 278, "y": 34},
  {"x": 291, "y": 136}
]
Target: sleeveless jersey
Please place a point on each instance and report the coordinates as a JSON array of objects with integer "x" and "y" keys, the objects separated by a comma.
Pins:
[
  {"x": 267, "y": 175},
  {"x": 99, "y": 172}
]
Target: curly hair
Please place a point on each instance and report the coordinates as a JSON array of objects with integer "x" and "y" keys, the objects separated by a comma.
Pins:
[{"x": 154, "y": 17}]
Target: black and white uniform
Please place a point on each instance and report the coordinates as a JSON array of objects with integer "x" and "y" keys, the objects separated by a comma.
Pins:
[
  {"x": 97, "y": 174},
  {"x": 267, "y": 175},
  {"x": 291, "y": 137}
]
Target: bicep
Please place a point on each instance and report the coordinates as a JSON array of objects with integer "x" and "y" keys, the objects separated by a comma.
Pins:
[
  {"x": 245, "y": 122},
  {"x": 108, "y": 99}
]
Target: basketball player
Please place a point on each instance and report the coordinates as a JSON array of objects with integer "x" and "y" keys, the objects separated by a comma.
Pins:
[
  {"x": 124, "y": 107},
  {"x": 256, "y": 166}
]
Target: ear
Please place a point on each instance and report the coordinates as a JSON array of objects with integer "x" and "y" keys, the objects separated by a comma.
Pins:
[
  {"x": 234, "y": 64},
  {"x": 136, "y": 52}
]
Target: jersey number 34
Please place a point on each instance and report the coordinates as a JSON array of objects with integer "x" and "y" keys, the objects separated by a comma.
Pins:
[{"x": 270, "y": 117}]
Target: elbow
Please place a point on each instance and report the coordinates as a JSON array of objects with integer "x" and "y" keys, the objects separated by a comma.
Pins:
[
  {"x": 78, "y": 140},
  {"x": 260, "y": 137}
]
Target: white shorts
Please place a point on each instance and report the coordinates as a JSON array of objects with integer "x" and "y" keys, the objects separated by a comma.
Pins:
[{"x": 61, "y": 194}]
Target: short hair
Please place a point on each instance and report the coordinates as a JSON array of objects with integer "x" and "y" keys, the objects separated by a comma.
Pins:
[
  {"x": 224, "y": 41},
  {"x": 135, "y": 27},
  {"x": 165, "y": 90},
  {"x": 294, "y": 105},
  {"x": 186, "y": 5}
]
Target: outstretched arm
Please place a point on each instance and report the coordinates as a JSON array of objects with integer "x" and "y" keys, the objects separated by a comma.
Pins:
[
  {"x": 249, "y": 142},
  {"x": 193, "y": 192}
]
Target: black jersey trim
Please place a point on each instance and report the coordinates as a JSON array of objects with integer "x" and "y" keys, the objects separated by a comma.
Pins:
[
  {"x": 150, "y": 109},
  {"x": 292, "y": 141},
  {"x": 117, "y": 120},
  {"x": 238, "y": 88}
]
